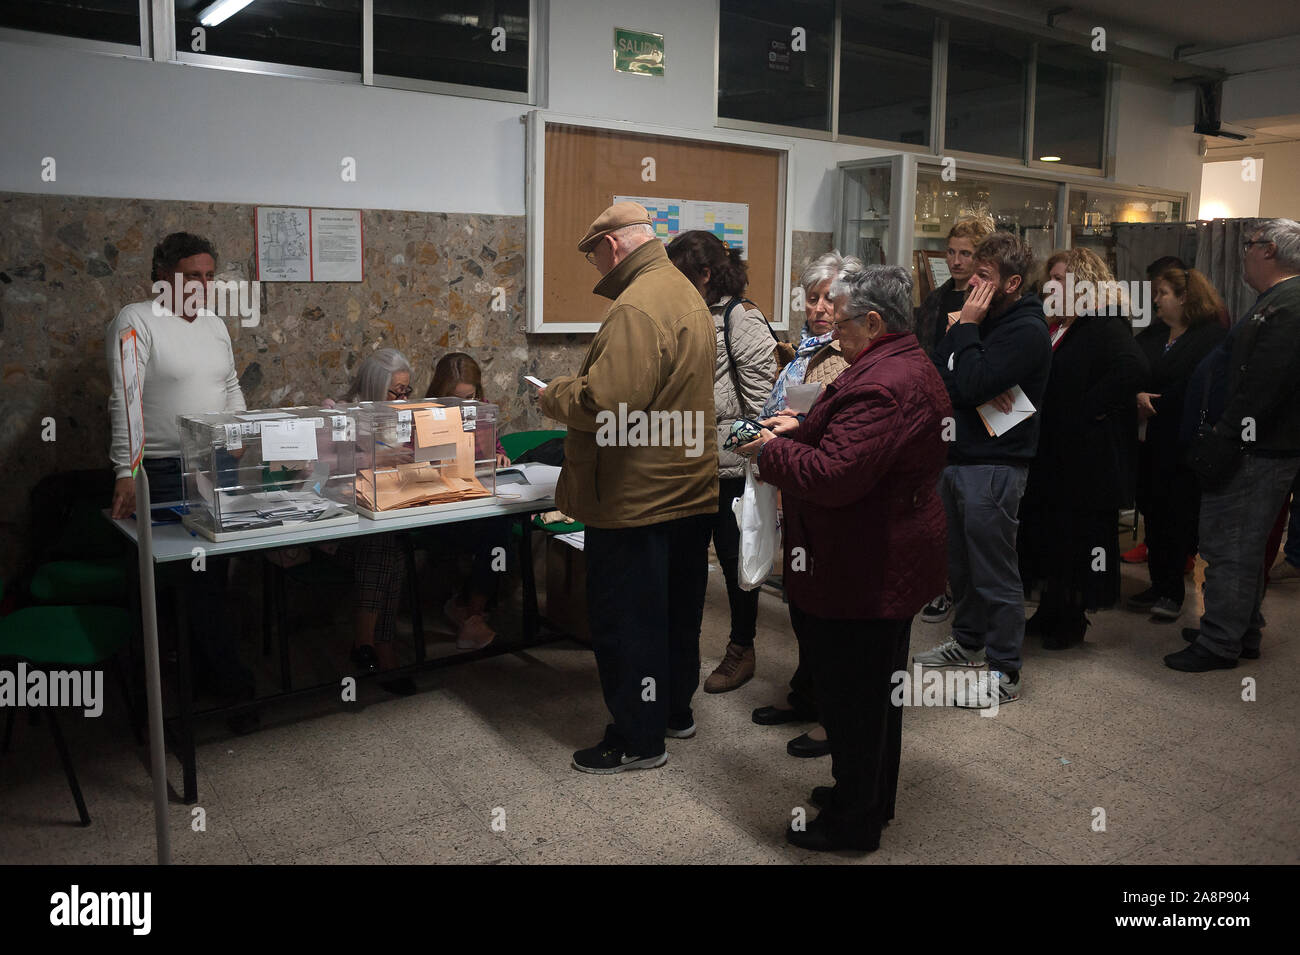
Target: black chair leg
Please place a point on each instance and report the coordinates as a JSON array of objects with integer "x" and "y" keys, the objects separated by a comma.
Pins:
[
  {"x": 413, "y": 590},
  {"x": 282, "y": 614},
  {"x": 132, "y": 714},
  {"x": 62, "y": 747},
  {"x": 268, "y": 583}
]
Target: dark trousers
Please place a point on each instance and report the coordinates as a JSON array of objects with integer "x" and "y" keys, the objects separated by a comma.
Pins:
[
  {"x": 645, "y": 600},
  {"x": 1171, "y": 515},
  {"x": 481, "y": 538},
  {"x": 853, "y": 662},
  {"x": 726, "y": 544},
  {"x": 213, "y": 642}
]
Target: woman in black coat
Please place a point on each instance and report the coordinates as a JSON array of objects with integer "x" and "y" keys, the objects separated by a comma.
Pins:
[
  {"x": 1075, "y": 486},
  {"x": 1168, "y": 493}
]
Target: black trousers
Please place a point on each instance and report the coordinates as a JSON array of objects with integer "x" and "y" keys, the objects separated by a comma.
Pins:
[
  {"x": 853, "y": 662},
  {"x": 645, "y": 600},
  {"x": 726, "y": 544},
  {"x": 1171, "y": 517}
]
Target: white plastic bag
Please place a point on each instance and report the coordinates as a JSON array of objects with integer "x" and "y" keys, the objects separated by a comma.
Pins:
[{"x": 760, "y": 534}]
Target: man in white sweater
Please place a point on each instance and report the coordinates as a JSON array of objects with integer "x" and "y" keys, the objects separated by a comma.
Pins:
[{"x": 186, "y": 367}]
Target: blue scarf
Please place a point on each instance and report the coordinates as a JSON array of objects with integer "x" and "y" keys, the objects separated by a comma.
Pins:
[{"x": 792, "y": 374}]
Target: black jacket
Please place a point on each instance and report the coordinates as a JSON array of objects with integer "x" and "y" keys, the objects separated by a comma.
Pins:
[
  {"x": 1264, "y": 375},
  {"x": 1097, "y": 371},
  {"x": 1170, "y": 372},
  {"x": 986, "y": 360},
  {"x": 932, "y": 317}
]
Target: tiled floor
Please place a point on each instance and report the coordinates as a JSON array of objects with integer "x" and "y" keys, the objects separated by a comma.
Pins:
[{"x": 475, "y": 768}]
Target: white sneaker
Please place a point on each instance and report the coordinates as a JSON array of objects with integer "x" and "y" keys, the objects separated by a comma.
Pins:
[
  {"x": 980, "y": 695},
  {"x": 950, "y": 654}
]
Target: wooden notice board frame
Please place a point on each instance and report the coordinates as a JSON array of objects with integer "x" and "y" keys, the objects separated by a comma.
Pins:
[{"x": 589, "y": 166}]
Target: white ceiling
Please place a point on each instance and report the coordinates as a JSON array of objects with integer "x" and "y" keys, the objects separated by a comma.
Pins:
[{"x": 1208, "y": 24}]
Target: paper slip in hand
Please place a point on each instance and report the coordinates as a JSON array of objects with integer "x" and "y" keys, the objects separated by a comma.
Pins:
[{"x": 998, "y": 423}]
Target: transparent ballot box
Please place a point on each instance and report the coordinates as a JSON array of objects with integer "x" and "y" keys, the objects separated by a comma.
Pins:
[
  {"x": 418, "y": 456},
  {"x": 256, "y": 473}
]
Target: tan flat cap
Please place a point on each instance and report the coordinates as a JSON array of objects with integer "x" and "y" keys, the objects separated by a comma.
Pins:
[{"x": 615, "y": 217}]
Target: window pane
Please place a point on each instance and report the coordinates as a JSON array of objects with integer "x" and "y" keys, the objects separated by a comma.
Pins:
[
  {"x": 767, "y": 74},
  {"x": 112, "y": 21},
  {"x": 323, "y": 34},
  {"x": 885, "y": 61},
  {"x": 987, "y": 79},
  {"x": 1069, "y": 105},
  {"x": 454, "y": 42}
]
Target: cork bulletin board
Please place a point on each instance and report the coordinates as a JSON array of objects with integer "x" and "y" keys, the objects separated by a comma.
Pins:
[{"x": 577, "y": 167}]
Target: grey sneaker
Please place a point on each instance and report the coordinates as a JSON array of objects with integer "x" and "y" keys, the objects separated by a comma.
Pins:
[
  {"x": 950, "y": 653},
  {"x": 1166, "y": 609},
  {"x": 980, "y": 695}
]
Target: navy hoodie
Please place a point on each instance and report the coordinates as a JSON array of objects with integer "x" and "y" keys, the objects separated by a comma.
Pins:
[{"x": 986, "y": 360}]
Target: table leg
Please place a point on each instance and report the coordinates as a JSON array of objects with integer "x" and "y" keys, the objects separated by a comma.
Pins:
[
  {"x": 413, "y": 589},
  {"x": 185, "y": 693},
  {"x": 531, "y": 622}
]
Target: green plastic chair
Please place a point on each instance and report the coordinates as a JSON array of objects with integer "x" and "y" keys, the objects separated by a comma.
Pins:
[
  {"x": 62, "y": 637},
  {"x": 520, "y": 442},
  {"x": 99, "y": 580}
]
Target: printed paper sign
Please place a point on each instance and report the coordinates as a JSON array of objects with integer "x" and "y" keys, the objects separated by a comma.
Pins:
[{"x": 292, "y": 440}]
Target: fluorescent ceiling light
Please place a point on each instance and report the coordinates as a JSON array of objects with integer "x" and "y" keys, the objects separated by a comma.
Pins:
[
  {"x": 217, "y": 13},
  {"x": 1049, "y": 158}
]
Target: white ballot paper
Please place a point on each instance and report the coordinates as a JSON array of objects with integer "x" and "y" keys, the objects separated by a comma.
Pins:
[
  {"x": 998, "y": 423},
  {"x": 800, "y": 398},
  {"x": 289, "y": 439},
  {"x": 527, "y": 482}
]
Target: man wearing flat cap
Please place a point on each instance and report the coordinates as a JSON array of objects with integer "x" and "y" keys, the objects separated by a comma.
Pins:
[{"x": 640, "y": 471}]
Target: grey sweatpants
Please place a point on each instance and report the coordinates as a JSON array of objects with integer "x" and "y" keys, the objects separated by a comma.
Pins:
[{"x": 983, "y": 506}]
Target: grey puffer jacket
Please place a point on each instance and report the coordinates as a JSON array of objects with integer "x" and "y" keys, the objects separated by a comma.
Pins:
[{"x": 754, "y": 351}]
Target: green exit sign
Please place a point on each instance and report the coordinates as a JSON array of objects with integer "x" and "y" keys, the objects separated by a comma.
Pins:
[{"x": 640, "y": 53}]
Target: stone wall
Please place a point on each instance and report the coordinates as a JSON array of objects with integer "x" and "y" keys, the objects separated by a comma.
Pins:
[{"x": 68, "y": 264}]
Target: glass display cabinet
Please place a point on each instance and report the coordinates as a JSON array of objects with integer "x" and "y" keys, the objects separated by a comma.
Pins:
[
  {"x": 418, "y": 456},
  {"x": 255, "y": 473},
  {"x": 897, "y": 209}
]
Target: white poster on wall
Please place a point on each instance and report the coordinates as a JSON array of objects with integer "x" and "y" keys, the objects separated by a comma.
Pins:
[
  {"x": 283, "y": 244},
  {"x": 336, "y": 245}
]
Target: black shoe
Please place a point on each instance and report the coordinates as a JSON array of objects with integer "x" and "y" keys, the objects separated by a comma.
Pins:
[
  {"x": 807, "y": 748},
  {"x": 1190, "y": 634},
  {"x": 778, "y": 716},
  {"x": 1143, "y": 602},
  {"x": 1196, "y": 659},
  {"x": 1062, "y": 636},
  {"x": 606, "y": 758},
  {"x": 1039, "y": 624},
  {"x": 680, "y": 732},
  {"x": 817, "y": 837},
  {"x": 365, "y": 659},
  {"x": 820, "y": 797},
  {"x": 401, "y": 686}
]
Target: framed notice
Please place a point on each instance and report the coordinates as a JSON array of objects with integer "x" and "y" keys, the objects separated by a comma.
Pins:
[
  {"x": 132, "y": 395},
  {"x": 309, "y": 245},
  {"x": 638, "y": 53}
]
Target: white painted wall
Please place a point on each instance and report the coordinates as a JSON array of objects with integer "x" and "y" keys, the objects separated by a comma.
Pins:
[
  {"x": 1225, "y": 194},
  {"x": 121, "y": 127}
]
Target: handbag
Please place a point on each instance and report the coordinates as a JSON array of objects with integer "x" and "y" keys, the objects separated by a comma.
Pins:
[{"x": 760, "y": 533}]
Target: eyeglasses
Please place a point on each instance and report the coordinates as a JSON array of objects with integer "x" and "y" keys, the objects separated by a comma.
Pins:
[
  {"x": 591, "y": 257},
  {"x": 851, "y": 318},
  {"x": 401, "y": 393},
  {"x": 1249, "y": 242}
]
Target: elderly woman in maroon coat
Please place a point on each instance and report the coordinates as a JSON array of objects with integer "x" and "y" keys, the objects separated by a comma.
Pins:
[{"x": 864, "y": 541}]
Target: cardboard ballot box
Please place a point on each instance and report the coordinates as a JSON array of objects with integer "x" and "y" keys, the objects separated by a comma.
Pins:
[
  {"x": 415, "y": 456},
  {"x": 254, "y": 473}
]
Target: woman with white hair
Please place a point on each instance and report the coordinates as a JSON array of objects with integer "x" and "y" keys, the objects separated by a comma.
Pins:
[
  {"x": 818, "y": 359},
  {"x": 860, "y": 479}
]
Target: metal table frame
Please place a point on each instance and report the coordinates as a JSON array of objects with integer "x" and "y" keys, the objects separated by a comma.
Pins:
[{"x": 173, "y": 542}]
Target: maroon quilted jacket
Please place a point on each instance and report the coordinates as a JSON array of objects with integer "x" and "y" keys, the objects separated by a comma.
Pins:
[{"x": 859, "y": 481}]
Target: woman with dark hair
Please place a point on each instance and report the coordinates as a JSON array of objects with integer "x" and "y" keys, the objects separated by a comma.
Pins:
[
  {"x": 743, "y": 371},
  {"x": 458, "y": 375},
  {"x": 1169, "y": 496}
]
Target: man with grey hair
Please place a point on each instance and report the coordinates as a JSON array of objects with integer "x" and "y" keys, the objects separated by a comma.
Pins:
[
  {"x": 649, "y": 506},
  {"x": 1247, "y": 459}
]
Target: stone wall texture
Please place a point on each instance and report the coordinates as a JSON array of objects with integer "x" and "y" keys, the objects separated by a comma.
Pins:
[{"x": 69, "y": 264}]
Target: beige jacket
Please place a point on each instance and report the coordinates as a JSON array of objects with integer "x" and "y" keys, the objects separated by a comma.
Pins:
[
  {"x": 754, "y": 351},
  {"x": 825, "y": 366},
  {"x": 641, "y": 447}
]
